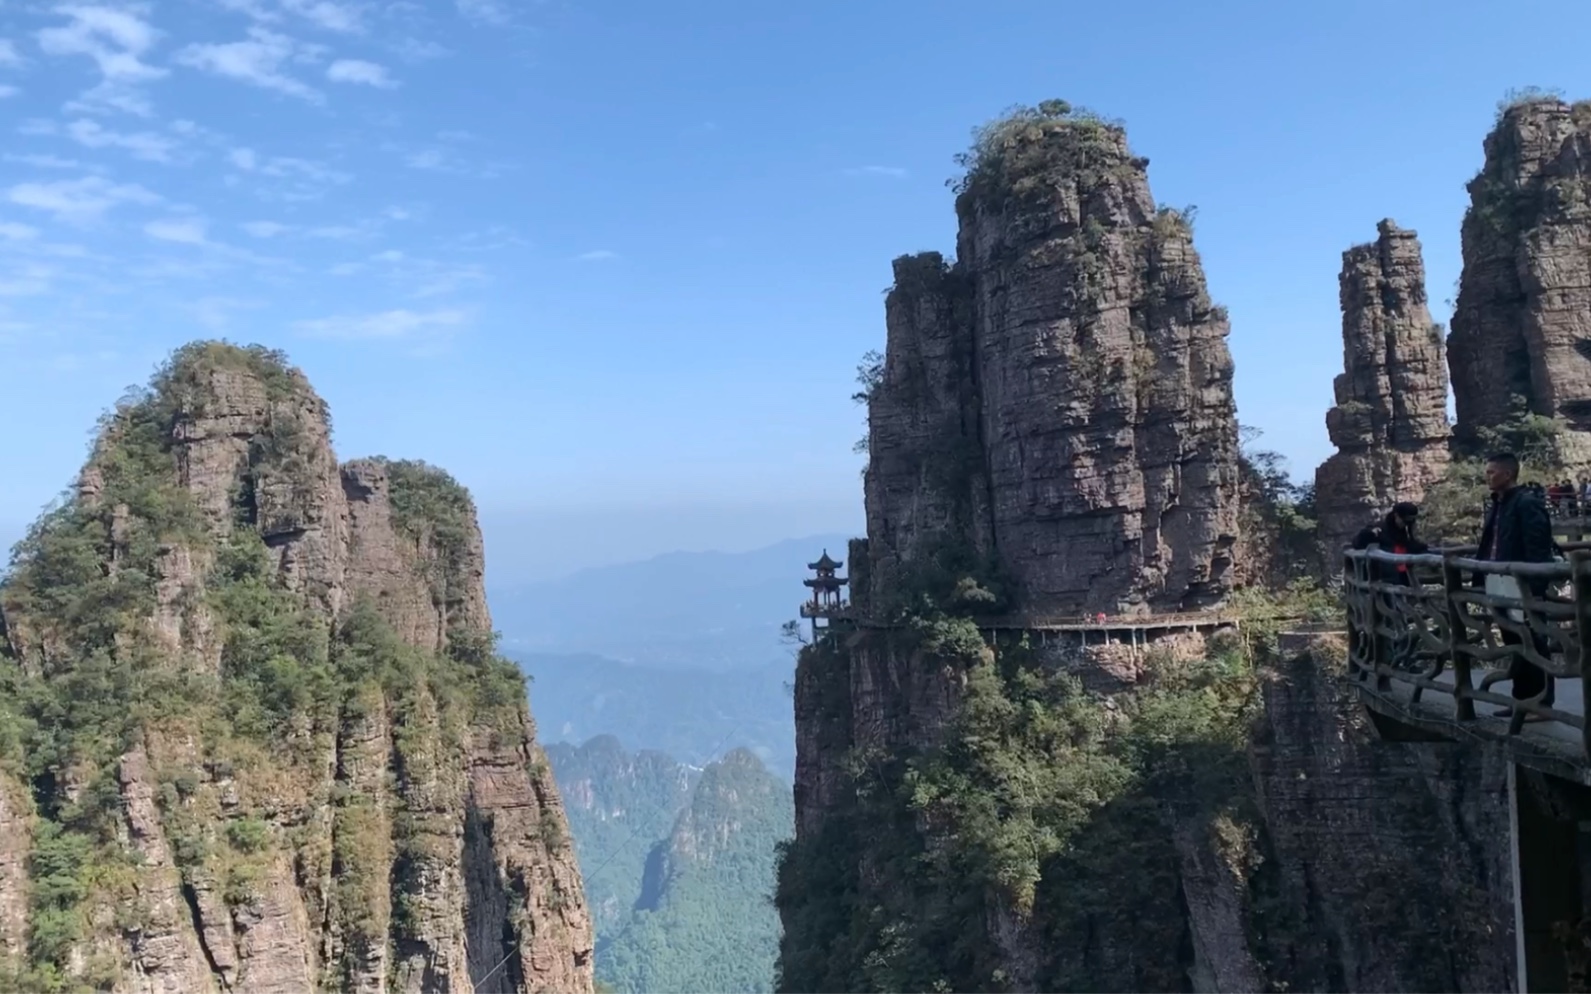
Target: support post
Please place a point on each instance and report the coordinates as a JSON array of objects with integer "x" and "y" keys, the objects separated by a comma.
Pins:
[
  {"x": 1580, "y": 569},
  {"x": 1457, "y": 635}
]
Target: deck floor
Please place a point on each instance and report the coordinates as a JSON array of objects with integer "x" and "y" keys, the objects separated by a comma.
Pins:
[{"x": 1554, "y": 739}]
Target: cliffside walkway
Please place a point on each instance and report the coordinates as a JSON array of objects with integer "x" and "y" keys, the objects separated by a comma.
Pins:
[{"x": 1433, "y": 655}]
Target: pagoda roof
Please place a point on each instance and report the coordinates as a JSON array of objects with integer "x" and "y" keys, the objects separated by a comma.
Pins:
[
  {"x": 825, "y": 563},
  {"x": 826, "y": 582}
]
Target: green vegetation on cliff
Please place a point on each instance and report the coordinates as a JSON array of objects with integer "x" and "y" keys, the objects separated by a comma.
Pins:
[
  {"x": 88, "y": 677},
  {"x": 1044, "y": 813}
]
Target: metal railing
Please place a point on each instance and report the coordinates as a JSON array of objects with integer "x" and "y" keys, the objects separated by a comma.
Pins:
[{"x": 1457, "y": 625}]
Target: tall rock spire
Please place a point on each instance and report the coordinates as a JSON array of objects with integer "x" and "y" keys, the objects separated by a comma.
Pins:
[
  {"x": 1058, "y": 403},
  {"x": 1522, "y": 325},
  {"x": 1390, "y": 420}
]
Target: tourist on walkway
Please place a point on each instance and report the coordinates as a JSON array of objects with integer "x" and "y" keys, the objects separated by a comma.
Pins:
[
  {"x": 1517, "y": 530},
  {"x": 1394, "y": 534}
]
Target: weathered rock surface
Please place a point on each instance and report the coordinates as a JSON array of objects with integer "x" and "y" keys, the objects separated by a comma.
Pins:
[
  {"x": 1390, "y": 420},
  {"x": 1059, "y": 400},
  {"x": 1522, "y": 324},
  {"x": 401, "y": 834},
  {"x": 1338, "y": 862}
]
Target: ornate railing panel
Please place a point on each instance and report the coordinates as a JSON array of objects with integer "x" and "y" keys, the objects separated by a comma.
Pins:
[{"x": 1438, "y": 632}]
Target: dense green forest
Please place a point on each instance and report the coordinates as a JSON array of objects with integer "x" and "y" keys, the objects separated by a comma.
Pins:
[{"x": 679, "y": 865}]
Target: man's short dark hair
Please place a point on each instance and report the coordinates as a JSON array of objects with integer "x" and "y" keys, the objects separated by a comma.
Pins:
[{"x": 1507, "y": 460}]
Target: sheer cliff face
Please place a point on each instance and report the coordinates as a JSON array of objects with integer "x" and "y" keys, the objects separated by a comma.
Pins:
[
  {"x": 1059, "y": 401},
  {"x": 1522, "y": 325},
  {"x": 269, "y": 744},
  {"x": 1390, "y": 420}
]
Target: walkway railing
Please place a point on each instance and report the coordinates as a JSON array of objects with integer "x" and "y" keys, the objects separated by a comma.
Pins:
[{"x": 1436, "y": 646}]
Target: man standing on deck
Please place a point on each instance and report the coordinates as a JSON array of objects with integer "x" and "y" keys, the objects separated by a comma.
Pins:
[{"x": 1517, "y": 530}]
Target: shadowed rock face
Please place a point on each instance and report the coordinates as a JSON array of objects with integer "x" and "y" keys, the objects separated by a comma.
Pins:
[
  {"x": 1059, "y": 400},
  {"x": 1522, "y": 324},
  {"x": 1390, "y": 420},
  {"x": 405, "y": 835}
]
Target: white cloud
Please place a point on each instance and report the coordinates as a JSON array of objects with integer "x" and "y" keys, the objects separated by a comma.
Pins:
[
  {"x": 182, "y": 230},
  {"x": 8, "y": 91},
  {"x": 264, "y": 229},
  {"x": 893, "y": 172},
  {"x": 48, "y": 162},
  {"x": 78, "y": 200},
  {"x": 389, "y": 325},
  {"x": 26, "y": 280},
  {"x": 341, "y": 17},
  {"x": 12, "y": 232},
  {"x": 244, "y": 158},
  {"x": 116, "y": 38},
  {"x": 9, "y": 56},
  {"x": 598, "y": 255},
  {"x": 485, "y": 11},
  {"x": 257, "y": 62},
  {"x": 113, "y": 37},
  {"x": 359, "y": 71},
  {"x": 144, "y": 145}
]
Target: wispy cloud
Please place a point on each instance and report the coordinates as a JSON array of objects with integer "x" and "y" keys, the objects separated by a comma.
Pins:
[
  {"x": 597, "y": 255},
  {"x": 484, "y": 11},
  {"x": 215, "y": 313},
  {"x": 391, "y": 325},
  {"x": 49, "y": 162},
  {"x": 258, "y": 62},
  {"x": 116, "y": 38},
  {"x": 13, "y": 232},
  {"x": 442, "y": 157},
  {"x": 421, "y": 278},
  {"x": 265, "y": 229},
  {"x": 893, "y": 172},
  {"x": 359, "y": 71},
  {"x": 8, "y": 91},
  {"x": 27, "y": 279},
  {"x": 297, "y": 178},
  {"x": 182, "y": 230},
  {"x": 146, "y": 145},
  {"x": 326, "y": 14},
  {"x": 10, "y": 58},
  {"x": 80, "y": 200}
]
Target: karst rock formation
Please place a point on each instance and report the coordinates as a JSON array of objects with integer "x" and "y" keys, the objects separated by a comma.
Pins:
[
  {"x": 267, "y": 744},
  {"x": 1059, "y": 400},
  {"x": 1390, "y": 420},
  {"x": 1522, "y": 323}
]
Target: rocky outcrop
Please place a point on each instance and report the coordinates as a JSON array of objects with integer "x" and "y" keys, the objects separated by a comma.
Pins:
[
  {"x": 1058, "y": 403},
  {"x": 1521, "y": 333},
  {"x": 1390, "y": 420},
  {"x": 320, "y": 774},
  {"x": 1312, "y": 856}
]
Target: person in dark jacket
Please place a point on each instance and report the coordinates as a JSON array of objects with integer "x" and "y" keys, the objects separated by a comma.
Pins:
[
  {"x": 1395, "y": 534},
  {"x": 1517, "y": 529}
]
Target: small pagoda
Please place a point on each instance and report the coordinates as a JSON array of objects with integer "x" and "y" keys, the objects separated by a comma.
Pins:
[{"x": 827, "y": 600}]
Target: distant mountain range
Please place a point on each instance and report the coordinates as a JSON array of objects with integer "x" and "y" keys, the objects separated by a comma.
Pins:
[
  {"x": 699, "y": 610},
  {"x": 695, "y": 714}
]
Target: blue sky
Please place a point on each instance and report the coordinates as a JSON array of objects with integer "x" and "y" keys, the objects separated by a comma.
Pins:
[{"x": 613, "y": 262}]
